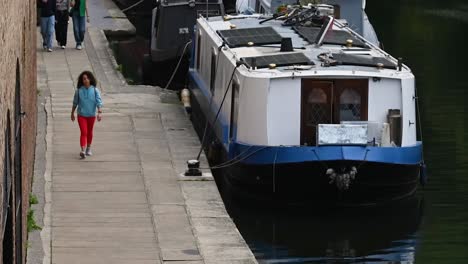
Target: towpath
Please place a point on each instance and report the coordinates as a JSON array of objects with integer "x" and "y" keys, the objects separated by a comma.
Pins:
[{"x": 127, "y": 203}]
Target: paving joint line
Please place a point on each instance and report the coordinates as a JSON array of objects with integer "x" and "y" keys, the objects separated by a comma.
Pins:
[{"x": 145, "y": 188}]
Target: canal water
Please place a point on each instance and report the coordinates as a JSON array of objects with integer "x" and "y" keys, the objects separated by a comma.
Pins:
[{"x": 431, "y": 36}]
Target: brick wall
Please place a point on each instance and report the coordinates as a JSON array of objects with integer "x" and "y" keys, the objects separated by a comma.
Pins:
[{"x": 17, "y": 55}]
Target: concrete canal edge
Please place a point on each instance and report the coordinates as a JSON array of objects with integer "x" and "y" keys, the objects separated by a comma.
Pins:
[{"x": 46, "y": 232}]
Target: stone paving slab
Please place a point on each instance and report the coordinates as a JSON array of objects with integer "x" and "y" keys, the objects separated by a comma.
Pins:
[
  {"x": 108, "y": 187},
  {"x": 128, "y": 197},
  {"x": 99, "y": 155}
]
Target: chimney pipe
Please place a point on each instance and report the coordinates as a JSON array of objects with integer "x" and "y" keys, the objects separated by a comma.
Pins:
[{"x": 286, "y": 45}]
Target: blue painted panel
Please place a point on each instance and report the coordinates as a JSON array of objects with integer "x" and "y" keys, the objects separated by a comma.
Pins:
[{"x": 295, "y": 154}]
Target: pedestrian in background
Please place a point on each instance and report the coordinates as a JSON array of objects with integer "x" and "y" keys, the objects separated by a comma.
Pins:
[
  {"x": 61, "y": 25},
  {"x": 87, "y": 99},
  {"x": 79, "y": 12},
  {"x": 48, "y": 8}
]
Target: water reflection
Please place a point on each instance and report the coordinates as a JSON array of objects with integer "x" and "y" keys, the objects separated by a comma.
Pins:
[
  {"x": 359, "y": 235},
  {"x": 431, "y": 37}
]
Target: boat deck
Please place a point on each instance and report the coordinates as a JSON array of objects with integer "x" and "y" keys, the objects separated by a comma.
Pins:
[{"x": 362, "y": 56}]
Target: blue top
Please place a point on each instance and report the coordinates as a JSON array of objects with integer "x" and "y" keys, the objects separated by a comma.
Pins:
[{"x": 87, "y": 100}]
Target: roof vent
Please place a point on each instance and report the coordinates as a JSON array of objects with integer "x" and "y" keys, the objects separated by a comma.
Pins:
[{"x": 286, "y": 45}]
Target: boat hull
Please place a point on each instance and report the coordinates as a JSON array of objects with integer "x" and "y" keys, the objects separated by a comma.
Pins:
[{"x": 307, "y": 182}]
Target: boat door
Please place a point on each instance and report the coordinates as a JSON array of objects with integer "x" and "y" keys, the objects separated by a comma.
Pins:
[
  {"x": 350, "y": 100},
  {"x": 330, "y": 102},
  {"x": 316, "y": 108}
]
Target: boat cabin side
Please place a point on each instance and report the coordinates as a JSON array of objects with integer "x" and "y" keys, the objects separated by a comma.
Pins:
[
  {"x": 291, "y": 107},
  {"x": 175, "y": 20}
]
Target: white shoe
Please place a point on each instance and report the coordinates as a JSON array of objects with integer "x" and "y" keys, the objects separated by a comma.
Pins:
[
  {"x": 49, "y": 50},
  {"x": 82, "y": 155},
  {"x": 88, "y": 152},
  {"x": 63, "y": 47},
  {"x": 79, "y": 47}
]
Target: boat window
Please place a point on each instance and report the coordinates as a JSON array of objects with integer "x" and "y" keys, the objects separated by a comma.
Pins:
[
  {"x": 234, "y": 109},
  {"x": 198, "y": 49},
  {"x": 350, "y": 105},
  {"x": 337, "y": 11},
  {"x": 317, "y": 107},
  {"x": 213, "y": 71},
  {"x": 257, "y": 7},
  {"x": 156, "y": 22}
]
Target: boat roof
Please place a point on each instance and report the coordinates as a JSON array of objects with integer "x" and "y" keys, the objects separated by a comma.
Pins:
[{"x": 258, "y": 45}]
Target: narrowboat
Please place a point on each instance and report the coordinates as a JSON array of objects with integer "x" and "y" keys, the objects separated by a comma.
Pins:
[{"x": 298, "y": 107}]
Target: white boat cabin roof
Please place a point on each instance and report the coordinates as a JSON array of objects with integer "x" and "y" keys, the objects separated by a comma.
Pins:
[{"x": 246, "y": 38}]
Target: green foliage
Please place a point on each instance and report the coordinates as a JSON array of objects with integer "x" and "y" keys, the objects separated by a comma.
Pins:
[
  {"x": 32, "y": 225},
  {"x": 33, "y": 199}
]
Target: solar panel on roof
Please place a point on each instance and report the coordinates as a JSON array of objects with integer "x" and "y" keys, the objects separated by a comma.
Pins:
[
  {"x": 278, "y": 59},
  {"x": 334, "y": 37},
  {"x": 259, "y": 36},
  {"x": 362, "y": 60}
]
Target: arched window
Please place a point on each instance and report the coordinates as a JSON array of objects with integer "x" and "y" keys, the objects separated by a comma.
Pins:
[
  {"x": 317, "y": 96},
  {"x": 350, "y": 105}
]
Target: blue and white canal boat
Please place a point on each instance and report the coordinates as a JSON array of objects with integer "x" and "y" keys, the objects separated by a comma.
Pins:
[{"x": 305, "y": 109}]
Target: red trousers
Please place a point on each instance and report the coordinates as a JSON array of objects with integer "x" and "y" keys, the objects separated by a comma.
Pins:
[{"x": 86, "y": 126}]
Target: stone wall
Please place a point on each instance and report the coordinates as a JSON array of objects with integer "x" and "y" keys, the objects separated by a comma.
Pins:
[{"x": 17, "y": 69}]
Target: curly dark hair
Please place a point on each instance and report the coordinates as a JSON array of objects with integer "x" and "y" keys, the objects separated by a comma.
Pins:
[{"x": 92, "y": 79}]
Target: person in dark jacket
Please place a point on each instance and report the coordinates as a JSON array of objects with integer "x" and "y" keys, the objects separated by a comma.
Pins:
[
  {"x": 61, "y": 25},
  {"x": 48, "y": 8}
]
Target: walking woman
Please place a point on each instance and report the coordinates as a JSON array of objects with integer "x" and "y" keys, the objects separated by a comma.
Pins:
[
  {"x": 87, "y": 99},
  {"x": 79, "y": 11},
  {"x": 47, "y": 22},
  {"x": 61, "y": 25}
]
